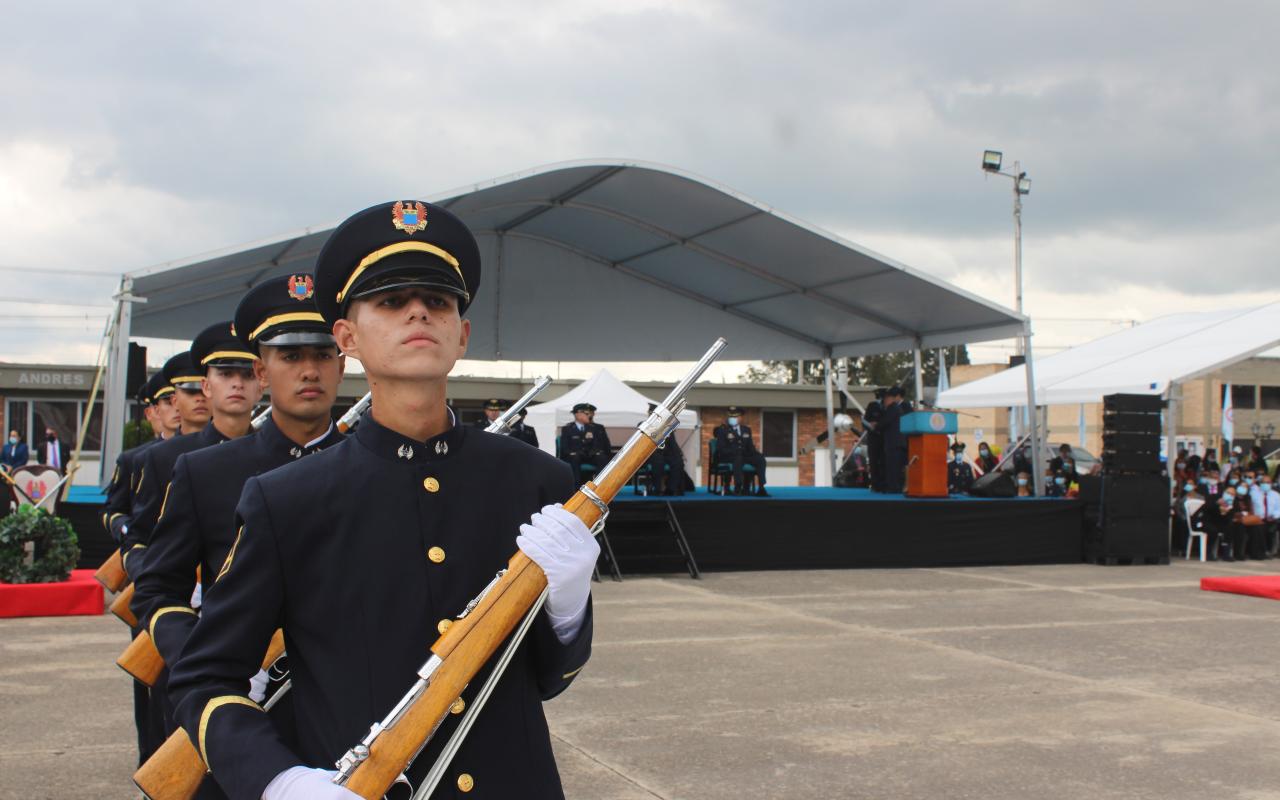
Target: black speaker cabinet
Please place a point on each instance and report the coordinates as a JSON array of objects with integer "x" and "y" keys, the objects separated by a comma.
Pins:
[{"x": 1133, "y": 403}]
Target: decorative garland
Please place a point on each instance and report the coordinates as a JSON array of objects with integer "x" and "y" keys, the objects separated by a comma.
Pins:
[{"x": 56, "y": 548}]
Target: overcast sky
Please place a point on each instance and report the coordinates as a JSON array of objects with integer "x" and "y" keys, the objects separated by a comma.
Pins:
[{"x": 137, "y": 133}]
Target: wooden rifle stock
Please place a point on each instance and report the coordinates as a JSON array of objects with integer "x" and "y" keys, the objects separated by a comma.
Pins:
[
  {"x": 175, "y": 770},
  {"x": 471, "y": 641},
  {"x": 120, "y": 607},
  {"x": 111, "y": 574},
  {"x": 143, "y": 661}
]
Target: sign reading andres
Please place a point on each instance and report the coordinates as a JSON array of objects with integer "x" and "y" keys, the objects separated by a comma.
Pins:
[{"x": 48, "y": 378}]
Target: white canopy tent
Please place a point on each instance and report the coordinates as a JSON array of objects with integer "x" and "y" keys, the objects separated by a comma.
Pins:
[
  {"x": 619, "y": 408},
  {"x": 1146, "y": 359},
  {"x": 639, "y": 262}
]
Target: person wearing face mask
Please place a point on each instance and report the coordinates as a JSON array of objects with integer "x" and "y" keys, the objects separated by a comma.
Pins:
[
  {"x": 1025, "y": 489},
  {"x": 959, "y": 474},
  {"x": 986, "y": 460},
  {"x": 1266, "y": 505},
  {"x": 1210, "y": 461},
  {"x": 1064, "y": 464},
  {"x": 15, "y": 453},
  {"x": 53, "y": 451},
  {"x": 1188, "y": 490},
  {"x": 735, "y": 447}
]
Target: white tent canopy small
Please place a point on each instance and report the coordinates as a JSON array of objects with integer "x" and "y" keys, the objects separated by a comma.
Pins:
[
  {"x": 618, "y": 407},
  {"x": 1146, "y": 359}
]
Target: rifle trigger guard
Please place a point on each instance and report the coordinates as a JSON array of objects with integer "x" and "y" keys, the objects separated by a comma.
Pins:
[{"x": 598, "y": 503}]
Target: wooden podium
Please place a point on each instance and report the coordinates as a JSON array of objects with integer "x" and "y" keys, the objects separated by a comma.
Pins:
[{"x": 928, "y": 441}]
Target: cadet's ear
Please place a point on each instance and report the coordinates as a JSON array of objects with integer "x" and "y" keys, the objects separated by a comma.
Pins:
[
  {"x": 464, "y": 336},
  {"x": 204, "y": 387},
  {"x": 260, "y": 370},
  {"x": 344, "y": 336}
]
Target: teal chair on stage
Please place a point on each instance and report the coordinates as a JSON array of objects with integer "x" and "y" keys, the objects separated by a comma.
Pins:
[{"x": 721, "y": 474}]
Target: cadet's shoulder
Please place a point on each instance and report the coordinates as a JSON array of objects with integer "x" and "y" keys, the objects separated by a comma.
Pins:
[
  {"x": 313, "y": 471},
  {"x": 219, "y": 455}
]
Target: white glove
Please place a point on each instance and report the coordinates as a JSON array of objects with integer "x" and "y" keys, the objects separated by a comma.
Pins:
[
  {"x": 563, "y": 546},
  {"x": 305, "y": 783},
  {"x": 258, "y": 686}
]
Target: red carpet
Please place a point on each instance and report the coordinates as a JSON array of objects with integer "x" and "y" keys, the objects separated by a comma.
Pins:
[
  {"x": 1256, "y": 586},
  {"x": 81, "y": 594}
]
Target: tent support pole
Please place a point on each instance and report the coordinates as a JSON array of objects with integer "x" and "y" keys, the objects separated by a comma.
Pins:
[
  {"x": 1171, "y": 447},
  {"x": 919, "y": 376},
  {"x": 831, "y": 422},
  {"x": 114, "y": 405},
  {"x": 1037, "y": 469}
]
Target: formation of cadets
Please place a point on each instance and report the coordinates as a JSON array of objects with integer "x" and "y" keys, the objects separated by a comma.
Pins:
[{"x": 362, "y": 549}]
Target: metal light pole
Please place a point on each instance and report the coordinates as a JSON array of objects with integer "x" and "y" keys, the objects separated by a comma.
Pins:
[{"x": 991, "y": 160}]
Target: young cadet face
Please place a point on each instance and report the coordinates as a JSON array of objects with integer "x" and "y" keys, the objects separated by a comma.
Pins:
[
  {"x": 232, "y": 391},
  {"x": 405, "y": 334},
  {"x": 303, "y": 379},
  {"x": 192, "y": 406},
  {"x": 165, "y": 415}
]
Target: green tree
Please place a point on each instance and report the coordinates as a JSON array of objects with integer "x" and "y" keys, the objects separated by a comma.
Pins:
[{"x": 883, "y": 369}]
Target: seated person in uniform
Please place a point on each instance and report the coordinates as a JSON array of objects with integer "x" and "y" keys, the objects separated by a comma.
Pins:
[
  {"x": 735, "y": 447},
  {"x": 584, "y": 442},
  {"x": 959, "y": 474},
  {"x": 523, "y": 432},
  {"x": 666, "y": 467}
]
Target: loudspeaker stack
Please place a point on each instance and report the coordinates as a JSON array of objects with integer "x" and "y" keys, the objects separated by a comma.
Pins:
[{"x": 1133, "y": 520}]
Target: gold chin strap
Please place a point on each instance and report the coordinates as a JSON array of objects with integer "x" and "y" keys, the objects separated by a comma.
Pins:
[{"x": 396, "y": 249}]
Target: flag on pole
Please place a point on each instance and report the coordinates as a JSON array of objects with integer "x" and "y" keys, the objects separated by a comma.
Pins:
[
  {"x": 1228, "y": 421},
  {"x": 943, "y": 383}
]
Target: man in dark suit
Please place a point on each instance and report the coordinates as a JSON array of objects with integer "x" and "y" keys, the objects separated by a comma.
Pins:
[
  {"x": 872, "y": 417},
  {"x": 584, "y": 442},
  {"x": 523, "y": 432},
  {"x": 734, "y": 446},
  {"x": 15, "y": 453},
  {"x": 666, "y": 465},
  {"x": 53, "y": 451},
  {"x": 493, "y": 409},
  {"x": 895, "y": 442}
]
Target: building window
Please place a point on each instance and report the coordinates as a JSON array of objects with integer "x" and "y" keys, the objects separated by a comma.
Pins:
[
  {"x": 1271, "y": 398},
  {"x": 30, "y": 418},
  {"x": 17, "y": 419},
  {"x": 60, "y": 415},
  {"x": 1242, "y": 395},
  {"x": 778, "y": 434}
]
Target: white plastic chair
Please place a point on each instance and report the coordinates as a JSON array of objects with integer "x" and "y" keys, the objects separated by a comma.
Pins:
[{"x": 1189, "y": 508}]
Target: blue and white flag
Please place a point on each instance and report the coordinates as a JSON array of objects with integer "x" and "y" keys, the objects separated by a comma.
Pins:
[{"x": 1228, "y": 421}]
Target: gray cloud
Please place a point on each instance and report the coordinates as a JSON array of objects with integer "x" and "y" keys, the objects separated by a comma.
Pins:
[{"x": 184, "y": 128}]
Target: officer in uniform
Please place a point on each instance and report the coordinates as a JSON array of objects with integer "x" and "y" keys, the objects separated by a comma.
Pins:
[
  {"x": 872, "y": 418},
  {"x": 735, "y": 447},
  {"x": 959, "y": 473},
  {"x": 523, "y": 432},
  {"x": 365, "y": 552},
  {"x": 278, "y": 321},
  {"x": 584, "y": 442},
  {"x": 493, "y": 409},
  {"x": 156, "y": 396},
  {"x": 667, "y": 462},
  {"x": 895, "y": 443}
]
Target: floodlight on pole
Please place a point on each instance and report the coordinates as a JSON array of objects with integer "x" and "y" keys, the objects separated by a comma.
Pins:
[{"x": 991, "y": 161}]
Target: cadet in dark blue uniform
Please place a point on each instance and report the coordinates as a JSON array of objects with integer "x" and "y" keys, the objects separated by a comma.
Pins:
[
  {"x": 216, "y": 377},
  {"x": 364, "y": 553},
  {"x": 734, "y": 446},
  {"x": 278, "y": 321},
  {"x": 156, "y": 396},
  {"x": 959, "y": 473},
  {"x": 584, "y": 442},
  {"x": 895, "y": 442}
]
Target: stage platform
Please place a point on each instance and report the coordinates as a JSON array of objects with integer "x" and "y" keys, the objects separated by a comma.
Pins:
[
  {"x": 823, "y": 528},
  {"x": 797, "y": 527}
]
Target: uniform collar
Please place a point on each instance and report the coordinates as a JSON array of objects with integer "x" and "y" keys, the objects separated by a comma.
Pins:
[
  {"x": 276, "y": 442},
  {"x": 210, "y": 435},
  {"x": 396, "y": 447}
]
